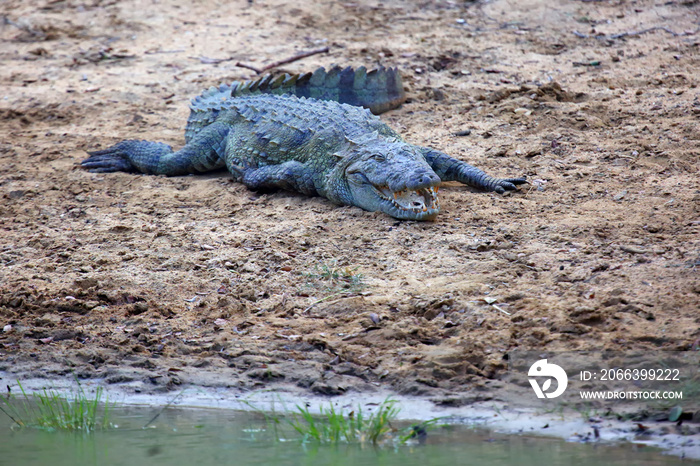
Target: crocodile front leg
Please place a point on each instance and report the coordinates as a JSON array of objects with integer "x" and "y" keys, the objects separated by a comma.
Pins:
[
  {"x": 204, "y": 153},
  {"x": 291, "y": 176},
  {"x": 450, "y": 169}
]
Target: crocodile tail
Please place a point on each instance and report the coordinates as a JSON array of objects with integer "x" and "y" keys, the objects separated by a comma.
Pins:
[{"x": 379, "y": 90}]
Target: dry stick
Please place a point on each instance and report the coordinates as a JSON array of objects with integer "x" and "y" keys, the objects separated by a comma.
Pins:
[
  {"x": 637, "y": 33},
  {"x": 19, "y": 423},
  {"x": 644, "y": 31},
  {"x": 325, "y": 299},
  {"x": 275, "y": 64},
  {"x": 250, "y": 67},
  {"x": 501, "y": 309},
  {"x": 153, "y": 52},
  {"x": 212, "y": 61},
  {"x": 23, "y": 27},
  {"x": 169, "y": 404}
]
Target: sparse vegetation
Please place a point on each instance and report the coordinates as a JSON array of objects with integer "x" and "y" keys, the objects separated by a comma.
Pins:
[
  {"x": 51, "y": 411},
  {"x": 331, "y": 278},
  {"x": 333, "y": 427}
]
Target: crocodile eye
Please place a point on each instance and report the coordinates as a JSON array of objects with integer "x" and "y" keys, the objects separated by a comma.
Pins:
[
  {"x": 379, "y": 157},
  {"x": 357, "y": 177}
]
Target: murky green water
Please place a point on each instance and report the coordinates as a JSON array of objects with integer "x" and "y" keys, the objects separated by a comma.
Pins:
[{"x": 215, "y": 437}]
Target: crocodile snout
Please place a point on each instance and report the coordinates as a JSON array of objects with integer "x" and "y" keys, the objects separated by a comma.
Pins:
[{"x": 421, "y": 179}]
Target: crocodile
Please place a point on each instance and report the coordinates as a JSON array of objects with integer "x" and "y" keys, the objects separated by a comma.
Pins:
[{"x": 313, "y": 133}]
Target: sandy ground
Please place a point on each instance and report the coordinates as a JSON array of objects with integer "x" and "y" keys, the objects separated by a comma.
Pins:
[{"x": 156, "y": 283}]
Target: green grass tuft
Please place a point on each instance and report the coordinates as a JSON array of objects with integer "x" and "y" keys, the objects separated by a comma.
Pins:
[
  {"x": 356, "y": 427},
  {"x": 329, "y": 277},
  {"x": 50, "y": 411}
]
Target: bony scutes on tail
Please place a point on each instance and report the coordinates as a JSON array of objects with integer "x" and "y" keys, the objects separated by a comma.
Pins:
[{"x": 308, "y": 133}]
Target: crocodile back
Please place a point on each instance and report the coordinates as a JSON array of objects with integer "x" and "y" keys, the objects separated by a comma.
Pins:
[
  {"x": 289, "y": 122},
  {"x": 379, "y": 90}
]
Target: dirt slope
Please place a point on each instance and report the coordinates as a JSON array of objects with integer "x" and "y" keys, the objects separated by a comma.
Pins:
[{"x": 158, "y": 282}]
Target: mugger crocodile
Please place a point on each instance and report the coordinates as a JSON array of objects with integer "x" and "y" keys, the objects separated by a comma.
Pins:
[{"x": 308, "y": 133}]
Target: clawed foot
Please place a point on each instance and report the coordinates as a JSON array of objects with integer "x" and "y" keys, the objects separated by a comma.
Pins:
[
  {"x": 128, "y": 156},
  {"x": 508, "y": 184},
  {"x": 112, "y": 159},
  {"x": 237, "y": 168}
]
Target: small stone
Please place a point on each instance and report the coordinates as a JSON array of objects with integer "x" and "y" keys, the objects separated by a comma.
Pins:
[
  {"x": 64, "y": 334},
  {"x": 85, "y": 283},
  {"x": 632, "y": 249},
  {"x": 249, "y": 267},
  {"x": 437, "y": 94},
  {"x": 220, "y": 323},
  {"x": 138, "y": 308},
  {"x": 620, "y": 195},
  {"x": 48, "y": 319}
]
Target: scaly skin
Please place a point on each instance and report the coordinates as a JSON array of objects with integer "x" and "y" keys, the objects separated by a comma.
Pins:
[{"x": 316, "y": 147}]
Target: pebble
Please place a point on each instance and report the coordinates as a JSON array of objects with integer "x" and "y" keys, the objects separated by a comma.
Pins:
[
  {"x": 220, "y": 323},
  {"x": 632, "y": 249},
  {"x": 621, "y": 195}
]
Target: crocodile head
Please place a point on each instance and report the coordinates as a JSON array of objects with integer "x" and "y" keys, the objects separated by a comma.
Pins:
[{"x": 388, "y": 176}]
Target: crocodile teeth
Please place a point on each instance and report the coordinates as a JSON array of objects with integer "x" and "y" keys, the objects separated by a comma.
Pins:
[{"x": 420, "y": 200}]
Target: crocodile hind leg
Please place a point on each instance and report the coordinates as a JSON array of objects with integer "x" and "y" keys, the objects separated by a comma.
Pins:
[
  {"x": 450, "y": 169},
  {"x": 203, "y": 153}
]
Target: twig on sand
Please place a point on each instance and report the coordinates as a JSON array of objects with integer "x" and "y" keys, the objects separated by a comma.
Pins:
[
  {"x": 250, "y": 67},
  {"x": 492, "y": 302},
  {"x": 656, "y": 28},
  {"x": 284, "y": 61},
  {"x": 212, "y": 61},
  {"x": 299, "y": 56},
  {"x": 23, "y": 27},
  {"x": 636, "y": 33},
  {"x": 498, "y": 308},
  {"x": 318, "y": 301},
  {"x": 156, "y": 51}
]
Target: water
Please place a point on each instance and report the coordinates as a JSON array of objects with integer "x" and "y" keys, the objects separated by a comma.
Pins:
[{"x": 217, "y": 437}]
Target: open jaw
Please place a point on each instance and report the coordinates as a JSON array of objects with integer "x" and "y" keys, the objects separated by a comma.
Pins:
[{"x": 419, "y": 204}]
